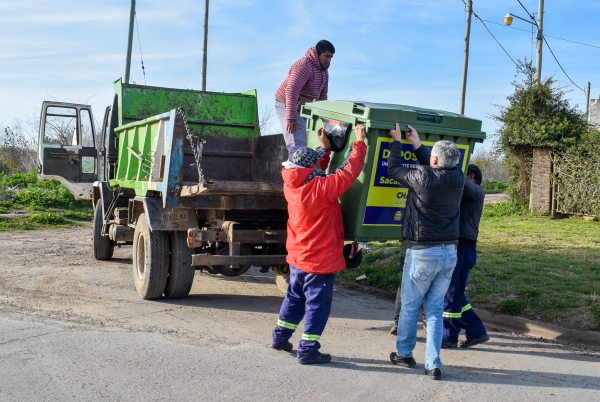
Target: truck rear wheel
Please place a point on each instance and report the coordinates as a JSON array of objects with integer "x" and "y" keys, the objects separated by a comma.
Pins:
[
  {"x": 103, "y": 245},
  {"x": 181, "y": 271},
  {"x": 150, "y": 260},
  {"x": 282, "y": 277}
]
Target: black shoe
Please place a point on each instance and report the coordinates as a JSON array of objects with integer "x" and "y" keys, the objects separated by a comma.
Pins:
[
  {"x": 434, "y": 373},
  {"x": 474, "y": 341},
  {"x": 394, "y": 330},
  {"x": 402, "y": 361},
  {"x": 449, "y": 345},
  {"x": 287, "y": 347},
  {"x": 322, "y": 358},
  {"x": 425, "y": 325}
]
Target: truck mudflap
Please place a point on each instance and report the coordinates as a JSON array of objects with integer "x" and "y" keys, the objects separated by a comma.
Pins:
[{"x": 257, "y": 260}]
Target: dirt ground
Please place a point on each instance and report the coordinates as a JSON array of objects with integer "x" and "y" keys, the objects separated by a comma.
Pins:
[{"x": 73, "y": 328}]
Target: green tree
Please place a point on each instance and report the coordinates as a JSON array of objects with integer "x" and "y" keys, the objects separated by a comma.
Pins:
[{"x": 537, "y": 115}]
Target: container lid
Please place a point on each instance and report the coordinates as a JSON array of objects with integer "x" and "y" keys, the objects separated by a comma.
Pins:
[{"x": 385, "y": 115}]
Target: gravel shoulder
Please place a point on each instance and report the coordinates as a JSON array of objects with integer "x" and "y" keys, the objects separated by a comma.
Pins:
[{"x": 73, "y": 328}]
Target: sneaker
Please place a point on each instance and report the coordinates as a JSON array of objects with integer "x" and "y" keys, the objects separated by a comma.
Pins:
[
  {"x": 474, "y": 341},
  {"x": 394, "y": 330},
  {"x": 402, "y": 361},
  {"x": 434, "y": 373},
  {"x": 287, "y": 347},
  {"x": 449, "y": 345},
  {"x": 322, "y": 358}
]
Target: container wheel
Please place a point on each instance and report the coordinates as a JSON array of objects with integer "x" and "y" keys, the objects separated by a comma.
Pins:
[
  {"x": 356, "y": 260},
  {"x": 150, "y": 260},
  {"x": 181, "y": 271},
  {"x": 103, "y": 245},
  {"x": 282, "y": 277}
]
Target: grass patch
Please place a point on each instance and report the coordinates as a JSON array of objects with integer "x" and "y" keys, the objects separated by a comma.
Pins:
[
  {"x": 537, "y": 267},
  {"x": 494, "y": 187},
  {"x": 33, "y": 204}
]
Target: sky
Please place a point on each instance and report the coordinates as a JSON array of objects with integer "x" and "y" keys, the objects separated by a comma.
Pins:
[{"x": 393, "y": 51}]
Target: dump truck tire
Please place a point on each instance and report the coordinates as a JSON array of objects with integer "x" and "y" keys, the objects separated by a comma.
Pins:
[
  {"x": 181, "y": 271},
  {"x": 103, "y": 246},
  {"x": 150, "y": 260},
  {"x": 282, "y": 277}
]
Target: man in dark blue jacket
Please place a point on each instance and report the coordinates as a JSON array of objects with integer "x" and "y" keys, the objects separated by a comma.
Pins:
[
  {"x": 430, "y": 231},
  {"x": 458, "y": 313}
]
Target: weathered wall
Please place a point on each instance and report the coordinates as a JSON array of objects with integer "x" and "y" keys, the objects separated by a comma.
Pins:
[
  {"x": 595, "y": 112},
  {"x": 540, "y": 199}
]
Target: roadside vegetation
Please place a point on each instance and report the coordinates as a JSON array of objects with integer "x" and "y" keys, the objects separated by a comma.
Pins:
[
  {"x": 27, "y": 203},
  {"x": 531, "y": 266}
]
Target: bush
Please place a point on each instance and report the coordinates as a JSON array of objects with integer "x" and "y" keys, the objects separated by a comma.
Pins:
[{"x": 48, "y": 218}]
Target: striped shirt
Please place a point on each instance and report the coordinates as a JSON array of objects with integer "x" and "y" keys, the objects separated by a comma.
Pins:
[{"x": 305, "y": 82}]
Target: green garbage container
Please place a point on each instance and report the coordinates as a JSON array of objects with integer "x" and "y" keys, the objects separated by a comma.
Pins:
[{"x": 373, "y": 208}]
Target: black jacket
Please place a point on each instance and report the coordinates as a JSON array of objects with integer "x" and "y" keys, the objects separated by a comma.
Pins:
[{"x": 433, "y": 202}]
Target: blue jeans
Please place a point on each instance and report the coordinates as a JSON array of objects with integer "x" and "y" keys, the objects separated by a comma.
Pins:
[
  {"x": 425, "y": 279},
  {"x": 296, "y": 140}
]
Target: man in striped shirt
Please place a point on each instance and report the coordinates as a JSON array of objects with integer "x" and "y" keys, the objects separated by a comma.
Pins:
[{"x": 306, "y": 81}]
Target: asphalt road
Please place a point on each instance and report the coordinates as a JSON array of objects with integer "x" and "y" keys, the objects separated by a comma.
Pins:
[{"x": 72, "y": 328}]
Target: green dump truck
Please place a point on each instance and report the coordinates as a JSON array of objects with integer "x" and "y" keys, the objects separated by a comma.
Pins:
[{"x": 183, "y": 176}]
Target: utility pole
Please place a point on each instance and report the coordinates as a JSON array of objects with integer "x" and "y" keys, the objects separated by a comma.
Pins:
[
  {"x": 466, "y": 57},
  {"x": 129, "y": 42},
  {"x": 540, "y": 42},
  {"x": 205, "y": 44},
  {"x": 587, "y": 104}
]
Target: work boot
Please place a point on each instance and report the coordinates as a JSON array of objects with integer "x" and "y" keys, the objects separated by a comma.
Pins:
[
  {"x": 322, "y": 358},
  {"x": 394, "y": 330},
  {"x": 434, "y": 373},
  {"x": 287, "y": 347},
  {"x": 407, "y": 362},
  {"x": 449, "y": 345},
  {"x": 474, "y": 341}
]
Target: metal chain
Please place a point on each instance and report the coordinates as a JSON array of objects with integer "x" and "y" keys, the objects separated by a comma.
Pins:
[{"x": 197, "y": 148}]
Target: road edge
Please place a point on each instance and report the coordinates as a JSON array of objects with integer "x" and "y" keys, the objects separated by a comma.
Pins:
[{"x": 538, "y": 329}]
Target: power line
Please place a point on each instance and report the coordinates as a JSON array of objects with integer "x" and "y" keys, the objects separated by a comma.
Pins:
[
  {"x": 486, "y": 27},
  {"x": 550, "y": 36},
  {"x": 137, "y": 27},
  {"x": 561, "y": 67}
]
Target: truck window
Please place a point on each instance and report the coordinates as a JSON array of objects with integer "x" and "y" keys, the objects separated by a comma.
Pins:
[
  {"x": 60, "y": 127},
  {"x": 87, "y": 134}
]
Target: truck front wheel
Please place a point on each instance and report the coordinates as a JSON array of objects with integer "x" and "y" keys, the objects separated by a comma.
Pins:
[
  {"x": 150, "y": 260},
  {"x": 181, "y": 271},
  {"x": 103, "y": 246}
]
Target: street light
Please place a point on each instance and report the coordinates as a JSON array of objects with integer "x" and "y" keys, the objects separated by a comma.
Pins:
[{"x": 508, "y": 20}]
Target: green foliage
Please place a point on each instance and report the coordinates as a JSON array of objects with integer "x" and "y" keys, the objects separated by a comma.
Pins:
[
  {"x": 537, "y": 115},
  {"x": 494, "y": 187},
  {"x": 577, "y": 176},
  {"x": 503, "y": 209},
  {"x": 51, "y": 203}
]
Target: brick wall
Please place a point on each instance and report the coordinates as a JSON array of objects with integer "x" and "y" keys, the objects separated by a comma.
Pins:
[{"x": 540, "y": 199}]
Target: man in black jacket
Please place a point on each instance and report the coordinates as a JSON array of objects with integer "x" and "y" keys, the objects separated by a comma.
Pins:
[
  {"x": 430, "y": 230},
  {"x": 458, "y": 313}
]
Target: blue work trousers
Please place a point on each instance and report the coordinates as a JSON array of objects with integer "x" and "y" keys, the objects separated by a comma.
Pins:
[
  {"x": 309, "y": 296},
  {"x": 458, "y": 313}
]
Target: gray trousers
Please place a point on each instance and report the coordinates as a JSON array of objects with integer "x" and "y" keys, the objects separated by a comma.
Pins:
[{"x": 296, "y": 140}]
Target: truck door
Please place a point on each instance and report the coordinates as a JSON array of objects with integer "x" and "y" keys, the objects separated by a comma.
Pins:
[{"x": 66, "y": 150}]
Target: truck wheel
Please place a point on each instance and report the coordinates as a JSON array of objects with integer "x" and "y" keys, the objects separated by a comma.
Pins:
[
  {"x": 181, "y": 271},
  {"x": 150, "y": 260},
  {"x": 282, "y": 277},
  {"x": 103, "y": 246}
]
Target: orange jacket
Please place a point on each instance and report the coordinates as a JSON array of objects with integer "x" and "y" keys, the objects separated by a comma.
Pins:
[{"x": 315, "y": 232}]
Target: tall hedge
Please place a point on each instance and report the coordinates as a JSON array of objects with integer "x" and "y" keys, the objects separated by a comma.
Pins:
[{"x": 537, "y": 115}]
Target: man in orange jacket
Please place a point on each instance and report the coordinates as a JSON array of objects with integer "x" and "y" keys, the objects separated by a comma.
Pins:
[{"x": 315, "y": 242}]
